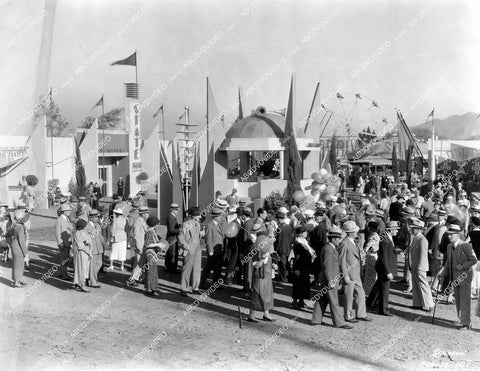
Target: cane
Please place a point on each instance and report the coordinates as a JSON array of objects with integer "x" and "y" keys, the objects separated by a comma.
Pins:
[{"x": 436, "y": 301}]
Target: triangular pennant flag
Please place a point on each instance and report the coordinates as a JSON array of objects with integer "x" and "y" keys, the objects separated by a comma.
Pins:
[{"x": 129, "y": 61}]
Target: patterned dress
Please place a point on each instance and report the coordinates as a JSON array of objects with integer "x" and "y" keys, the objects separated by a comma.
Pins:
[
  {"x": 151, "y": 269},
  {"x": 371, "y": 250}
]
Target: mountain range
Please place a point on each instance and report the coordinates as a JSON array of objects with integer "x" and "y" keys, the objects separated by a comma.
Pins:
[{"x": 455, "y": 127}]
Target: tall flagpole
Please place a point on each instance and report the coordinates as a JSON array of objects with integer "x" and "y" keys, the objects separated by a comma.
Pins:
[
  {"x": 433, "y": 164},
  {"x": 159, "y": 145},
  {"x": 208, "y": 120}
]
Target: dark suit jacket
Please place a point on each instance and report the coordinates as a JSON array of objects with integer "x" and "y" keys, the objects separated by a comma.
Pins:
[
  {"x": 214, "y": 237},
  {"x": 387, "y": 257},
  {"x": 173, "y": 227},
  {"x": 283, "y": 242},
  {"x": 330, "y": 264},
  {"x": 462, "y": 255},
  {"x": 318, "y": 237}
]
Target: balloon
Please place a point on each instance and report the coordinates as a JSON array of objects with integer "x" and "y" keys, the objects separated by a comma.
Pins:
[
  {"x": 315, "y": 175},
  {"x": 164, "y": 245},
  {"x": 231, "y": 230},
  {"x": 323, "y": 172},
  {"x": 299, "y": 196}
]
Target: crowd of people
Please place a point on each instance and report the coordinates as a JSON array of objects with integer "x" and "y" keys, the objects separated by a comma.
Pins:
[{"x": 347, "y": 249}]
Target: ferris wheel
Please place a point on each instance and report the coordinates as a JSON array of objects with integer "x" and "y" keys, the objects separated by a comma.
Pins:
[{"x": 349, "y": 115}]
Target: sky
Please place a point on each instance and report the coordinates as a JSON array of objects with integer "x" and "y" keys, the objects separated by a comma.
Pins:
[{"x": 410, "y": 55}]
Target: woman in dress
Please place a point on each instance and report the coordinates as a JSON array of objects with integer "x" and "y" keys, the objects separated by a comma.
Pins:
[
  {"x": 118, "y": 239},
  {"x": 81, "y": 254},
  {"x": 261, "y": 298},
  {"x": 152, "y": 250},
  {"x": 371, "y": 255},
  {"x": 16, "y": 239},
  {"x": 302, "y": 261}
]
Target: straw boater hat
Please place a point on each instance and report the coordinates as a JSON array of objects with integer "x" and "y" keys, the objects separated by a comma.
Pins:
[
  {"x": 370, "y": 213},
  {"x": 442, "y": 211},
  {"x": 417, "y": 223},
  {"x": 222, "y": 204},
  {"x": 282, "y": 212},
  {"x": 247, "y": 211},
  {"x": 64, "y": 207},
  {"x": 216, "y": 212},
  {"x": 143, "y": 210},
  {"x": 350, "y": 227},
  {"x": 135, "y": 205},
  {"x": 334, "y": 232},
  {"x": 93, "y": 212},
  {"x": 393, "y": 224},
  {"x": 380, "y": 213},
  {"x": 309, "y": 213},
  {"x": 118, "y": 211},
  {"x": 173, "y": 206},
  {"x": 408, "y": 211},
  {"x": 82, "y": 198},
  {"x": 256, "y": 227},
  {"x": 453, "y": 229}
]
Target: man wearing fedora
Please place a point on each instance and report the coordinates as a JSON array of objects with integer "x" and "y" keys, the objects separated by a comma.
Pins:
[
  {"x": 418, "y": 260},
  {"x": 318, "y": 239},
  {"x": 97, "y": 246},
  {"x": 83, "y": 208},
  {"x": 63, "y": 234},
  {"x": 173, "y": 229},
  {"x": 436, "y": 256},
  {"x": 458, "y": 268},
  {"x": 283, "y": 243},
  {"x": 328, "y": 280},
  {"x": 385, "y": 266},
  {"x": 189, "y": 238},
  {"x": 214, "y": 241},
  {"x": 351, "y": 262},
  {"x": 138, "y": 241}
]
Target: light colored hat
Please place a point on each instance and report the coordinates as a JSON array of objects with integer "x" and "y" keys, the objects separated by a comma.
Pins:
[
  {"x": 309, "y": 213},
  {"x": 283, "y": 210},
  {"x": 380, "y": 213},
  {"x": 118, "y": 211},
  {"x": 216, "y": 212},
  {"x": 173, "y": 206},
  {"x": 93, "y": 212},
  {"x": 369, "y": 213},
  {"x": 417, "y": 223},
  {"x": 453, "y": 228},
  {"x": 334, "y": 232},
  {"x": 222, "y": 204},
  {"x": 143, "y": 210},
  {"x": 64, "y": 207},
  {"x": 256, "y": 228},
  {"x": 350, "y": 226},
  {"x": 393, "y": 224}
]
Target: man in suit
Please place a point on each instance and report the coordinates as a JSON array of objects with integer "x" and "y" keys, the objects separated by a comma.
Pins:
[
  {"x": 351, "y": 262},
  {"x": 189, "y": 239},
  {"x": 458, "y": 267},
  {"x": 283, "y": 243},
  {"x": 173, "y": 229},
  {"x": 247, "y": 244},
  {"x": 318, "y": 239},
  {"x": 418, "y": 260},
  {"x": 63, "y": 235},
  {"x": 396, "y": 208},
  {"x": 436, "y": 256},
  {"x": 137, "y": 243},
  {"x": 97, "y": 245},
  {"x": 385, "y": 266},
  {"x": 329, "y": 277},
  {"x": 214, "y": 241}
]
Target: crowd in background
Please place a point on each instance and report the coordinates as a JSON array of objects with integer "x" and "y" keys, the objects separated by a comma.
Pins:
[{"x": 346, "y": 247}]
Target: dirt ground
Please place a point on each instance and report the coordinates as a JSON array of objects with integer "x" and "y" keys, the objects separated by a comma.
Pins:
[{"x": 48, "y": 326}]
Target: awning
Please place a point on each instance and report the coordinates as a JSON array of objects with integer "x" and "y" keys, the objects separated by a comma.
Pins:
[{"x": 374, "y": 161}]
